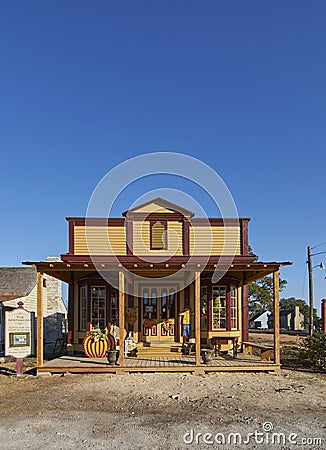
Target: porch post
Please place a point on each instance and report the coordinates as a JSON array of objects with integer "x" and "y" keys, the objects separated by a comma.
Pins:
[
  {"x": 276, "y": 297},
  {"x": 121, "y": 316},
  {"x": 39, "y": 320},
  {"x": 197, "y": 316},
  {"x": 71, "y": 307},
  {"x": 245, "y": 310}
]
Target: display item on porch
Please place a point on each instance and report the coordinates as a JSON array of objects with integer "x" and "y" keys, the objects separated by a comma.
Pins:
[
  {"x": 130, "y": 344},
  {"x": 112, "y": 356},
  {"x": 207, "y": 355},
  {"x": 168, "y": 324},
  {"x": 97, "y": 342},
  {"x": 186, "y": 327}
]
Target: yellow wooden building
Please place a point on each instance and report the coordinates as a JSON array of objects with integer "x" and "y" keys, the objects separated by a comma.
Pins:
[{"x": 146, "y": 270}]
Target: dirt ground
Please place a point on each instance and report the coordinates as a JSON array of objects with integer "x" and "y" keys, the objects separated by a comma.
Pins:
[{"x": 278, "y": 410}]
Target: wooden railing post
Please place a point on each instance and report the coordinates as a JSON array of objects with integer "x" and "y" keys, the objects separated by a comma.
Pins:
[
  {"x": 197, "y": 316},
  {"x": 276, "y": 297},
  {"x": 39, "y": 320},
  {"x": 121, "y": 316}
]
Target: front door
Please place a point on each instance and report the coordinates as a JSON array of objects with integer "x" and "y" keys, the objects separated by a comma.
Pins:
[{"x": 158, "y": 313}]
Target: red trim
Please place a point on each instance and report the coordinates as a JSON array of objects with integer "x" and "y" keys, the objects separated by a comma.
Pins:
[
  {"x": 108, "y": 314},
  {"x": 228, "y": 307},
  {"x": 66, "y": 258},
  {"x": 116, "y": 221},
  {"x": 130, "y": 237},
  {"x": 96, "y": 221},
  {"x": 177, "y": 336},
  {"x": 207, "y": 282},
  {"x": 218, "y": 222},
  {"x": 88, "y": 306},
  {"x": 244, "y": 237},
  {"x": 71, "y": 238}
]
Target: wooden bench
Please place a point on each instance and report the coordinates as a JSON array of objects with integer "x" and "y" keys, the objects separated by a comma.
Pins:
[{"x": 265, "y": 351}]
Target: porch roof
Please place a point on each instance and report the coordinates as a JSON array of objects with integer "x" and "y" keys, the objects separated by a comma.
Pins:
[{"x": 244, "y": 268}]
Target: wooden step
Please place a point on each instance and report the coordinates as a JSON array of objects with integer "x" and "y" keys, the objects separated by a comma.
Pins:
[
  {"x": 174, "y": 349},
  {"x": 159, "y": 355},
  {"x": 158, "y": 344},
  {"x": 159, "y": 350}
]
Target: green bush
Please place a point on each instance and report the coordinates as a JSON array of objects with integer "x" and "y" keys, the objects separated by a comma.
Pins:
[{"x": 314, "y": 350}]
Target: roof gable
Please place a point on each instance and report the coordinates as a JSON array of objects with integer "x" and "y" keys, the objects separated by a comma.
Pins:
[{"x": 158, "y": 206}]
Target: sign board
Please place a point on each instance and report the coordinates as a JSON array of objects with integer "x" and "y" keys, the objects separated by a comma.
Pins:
[{"x": 18, "y": 333}]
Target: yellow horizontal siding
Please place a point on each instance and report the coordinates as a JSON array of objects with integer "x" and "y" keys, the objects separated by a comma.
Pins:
[
  {"x": 210, "y": 241},
  {"x": 101, "y": 240},
  {"x": 141, "y": 239},
  {"x": 175, "y": 237}
]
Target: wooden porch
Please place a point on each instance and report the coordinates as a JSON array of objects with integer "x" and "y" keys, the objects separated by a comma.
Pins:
[
  {"x": 225, "y": 363},
  {"x": 193, "y": 363}
]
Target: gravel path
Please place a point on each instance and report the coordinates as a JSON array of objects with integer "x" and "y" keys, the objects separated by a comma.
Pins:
[{"x": 163, "y": 411}]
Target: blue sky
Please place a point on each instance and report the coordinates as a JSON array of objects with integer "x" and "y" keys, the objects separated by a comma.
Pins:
[{"x": 239, "y": 85}]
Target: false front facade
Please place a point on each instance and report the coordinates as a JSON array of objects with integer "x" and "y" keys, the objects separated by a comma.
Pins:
[{"x": 161, "y": 275}]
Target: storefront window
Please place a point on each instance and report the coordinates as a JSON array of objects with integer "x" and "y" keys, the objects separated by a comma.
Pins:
[
  {"x": 234, "y": 309},
  {"x": 219, "y": 307},
  {"x": 98, "y": 300},
  {"x": 82, "y": 308}
]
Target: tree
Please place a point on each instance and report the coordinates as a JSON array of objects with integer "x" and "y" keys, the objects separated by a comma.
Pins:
[{"x": 261, "y": 295}]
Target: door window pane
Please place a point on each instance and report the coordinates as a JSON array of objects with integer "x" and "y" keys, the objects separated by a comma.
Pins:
[
  {"x": 154, "y": 304},
  {"x": 146, "y": 304},
  {"x": 164, "y": 314},
  {"x": 171, "y": 303},
  {"x": 219, "y": 307}
]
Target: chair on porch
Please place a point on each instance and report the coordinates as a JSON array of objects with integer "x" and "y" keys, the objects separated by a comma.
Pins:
[{"x": 217, "y": 343}]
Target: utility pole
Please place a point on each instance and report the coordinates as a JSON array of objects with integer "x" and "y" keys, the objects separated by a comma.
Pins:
[{"x": 311, "y": 293}]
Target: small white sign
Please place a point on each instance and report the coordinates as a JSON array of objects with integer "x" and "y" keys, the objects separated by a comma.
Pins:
[{"x": 18, "y": 333}]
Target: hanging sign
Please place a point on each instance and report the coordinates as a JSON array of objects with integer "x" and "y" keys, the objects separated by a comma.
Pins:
[{"x": 18, "y": 333}]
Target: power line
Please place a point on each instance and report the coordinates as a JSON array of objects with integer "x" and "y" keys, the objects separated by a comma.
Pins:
[{"x": 319, "y": 245}]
